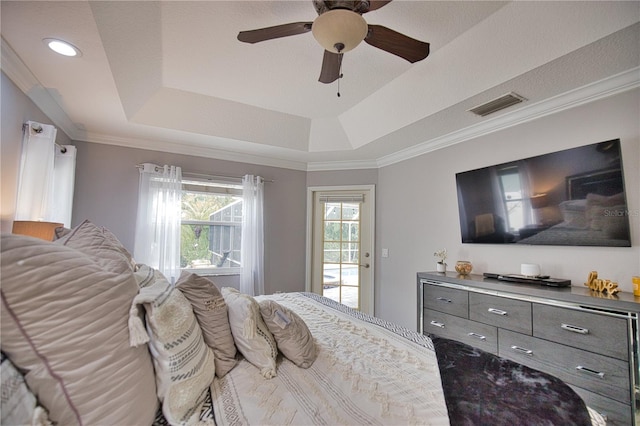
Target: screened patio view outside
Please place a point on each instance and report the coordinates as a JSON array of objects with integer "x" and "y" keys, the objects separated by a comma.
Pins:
[
  {"x": 211, "y": 230},
  {"x": 341, "y": 253}
]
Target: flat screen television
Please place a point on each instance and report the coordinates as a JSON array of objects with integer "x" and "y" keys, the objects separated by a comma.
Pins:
[{"x": 574, "y": 197}]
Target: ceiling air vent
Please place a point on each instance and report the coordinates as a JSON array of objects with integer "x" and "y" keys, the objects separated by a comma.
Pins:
[{"x": 497, "y": 104}]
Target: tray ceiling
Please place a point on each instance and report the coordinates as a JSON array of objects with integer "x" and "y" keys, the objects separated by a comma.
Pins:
[{"x": 171, "y": 75}]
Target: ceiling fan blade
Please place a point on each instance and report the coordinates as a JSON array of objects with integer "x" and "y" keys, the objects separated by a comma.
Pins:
[
  {"x": 284, "y": 30},
  {"x": 330, "y": 71},
  {"x": 377, "y": 4},
  {"x": 399, "y": 44}
]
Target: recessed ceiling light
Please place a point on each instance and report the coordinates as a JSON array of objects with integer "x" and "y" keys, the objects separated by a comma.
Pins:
[{"x": 62, "y": 47}]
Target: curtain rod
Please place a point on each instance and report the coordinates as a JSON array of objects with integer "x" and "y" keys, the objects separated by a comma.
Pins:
[
  {"x": 205, "y": 176},
  {"x": 38, "y": 129}
]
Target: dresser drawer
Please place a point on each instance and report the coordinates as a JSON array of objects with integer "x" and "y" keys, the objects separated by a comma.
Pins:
[
  {"x": 472, "y": 333},
  {"x": 500, "y": 311},
  {"x": 598, "y": 373},
  {"x": 614, "y": 412},
  {"x": 448, "y": 300},
  {"x": 585, "y": 330}
]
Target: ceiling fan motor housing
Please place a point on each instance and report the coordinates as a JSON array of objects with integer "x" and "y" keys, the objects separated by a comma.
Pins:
[{"x": 359, "y": 6}]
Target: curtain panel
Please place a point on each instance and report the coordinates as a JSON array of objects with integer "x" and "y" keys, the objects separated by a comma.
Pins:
[
  {"x": 157, "y": 237},
  {"x": 252, "y": 276},
  {"x": 47, "y": 176}
]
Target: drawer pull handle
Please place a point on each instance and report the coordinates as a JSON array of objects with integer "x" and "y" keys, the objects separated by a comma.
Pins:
[
  {"x": 437, "y": 324},
  {"x": 575, "y": 329},
  {"x": 522, "y": 350},
  {"x": 477, "y": 336},
  {"x": 590, "y": 371},
  {"x": 497, "y": 311},
  {"x": 443, "y": 299}
]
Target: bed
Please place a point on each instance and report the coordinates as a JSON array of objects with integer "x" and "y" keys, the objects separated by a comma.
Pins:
[
  {"x": 370, "y": 371},
  {"x": 98, "y": 339},
  {"x": 594, "y": 213},
  {"x": 444, "y": 382}
]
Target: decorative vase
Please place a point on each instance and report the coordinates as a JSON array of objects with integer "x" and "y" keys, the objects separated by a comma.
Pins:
[
  {"x": 441, "y": 267},
  {"x": 463, "y": 267}
]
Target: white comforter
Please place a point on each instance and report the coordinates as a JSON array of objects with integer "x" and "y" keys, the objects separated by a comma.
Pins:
[{"x": 364, "y": 374}]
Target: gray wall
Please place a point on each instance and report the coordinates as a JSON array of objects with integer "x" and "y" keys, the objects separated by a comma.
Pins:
[
  {"x": 16, "y": 109},
  {"x": 107, "y": 194},
  {"x": 417, "y": 207}
]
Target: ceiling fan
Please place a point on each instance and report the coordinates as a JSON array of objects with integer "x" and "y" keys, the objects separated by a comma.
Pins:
[{"x": 339, "y": 28}]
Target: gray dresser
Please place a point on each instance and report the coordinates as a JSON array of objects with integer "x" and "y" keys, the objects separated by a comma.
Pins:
[{"x": 587, "y": 339}]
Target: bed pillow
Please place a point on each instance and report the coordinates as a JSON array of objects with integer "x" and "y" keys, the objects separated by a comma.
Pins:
[
  {"x": 213, "y": 316},
  {"x": 64, "y": 325},
  {"x": 292, "y": 335},
  {"x": 98, "y": 241},
  {"x": 184, "y": 364},
  {"x": 574, "y": 214},
  {"x": 596, "y": 205},
  {"x": 251, "y": 335}
]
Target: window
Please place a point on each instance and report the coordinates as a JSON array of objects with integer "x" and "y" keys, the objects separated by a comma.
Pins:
[
  {"x": 512, "y": 195},
  {"x": 211, "y": 226}
]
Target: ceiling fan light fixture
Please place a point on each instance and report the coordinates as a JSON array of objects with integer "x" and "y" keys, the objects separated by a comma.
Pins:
[{"x": 339, "y": 30}]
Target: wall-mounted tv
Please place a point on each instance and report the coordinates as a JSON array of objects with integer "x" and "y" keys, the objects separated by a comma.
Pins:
[{"x": 574, "y": 197}]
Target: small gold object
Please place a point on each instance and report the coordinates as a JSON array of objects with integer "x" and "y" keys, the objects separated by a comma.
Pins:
[{"x": 601, "y": 285}]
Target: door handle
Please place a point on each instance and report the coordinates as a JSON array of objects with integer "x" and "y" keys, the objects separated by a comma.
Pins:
[{"x": 366, "y": 265}]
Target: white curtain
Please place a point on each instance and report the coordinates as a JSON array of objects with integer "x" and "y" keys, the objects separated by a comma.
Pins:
[
  {"x": 252, "y": 276},
  {"x": 157, "y": 238},
  {"x": 64, "y": 177},
  {"x": 46, "y": 178}
]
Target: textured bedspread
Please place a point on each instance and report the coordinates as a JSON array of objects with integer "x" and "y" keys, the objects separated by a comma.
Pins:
[{"x": 367, "y": 372}]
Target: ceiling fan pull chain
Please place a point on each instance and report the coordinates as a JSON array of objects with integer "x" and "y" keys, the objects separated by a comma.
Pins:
[{"x": 339, "y": 76}]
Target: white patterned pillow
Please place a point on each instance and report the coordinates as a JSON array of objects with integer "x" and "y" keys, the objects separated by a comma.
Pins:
[
  {"x": 253, "y": 339},
  {"x": 18, "y": 404},
  {"x": 184, "y": 364}
]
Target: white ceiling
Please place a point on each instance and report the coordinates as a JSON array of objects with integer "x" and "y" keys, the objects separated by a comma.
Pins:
[{"x": 171, "y": 75}]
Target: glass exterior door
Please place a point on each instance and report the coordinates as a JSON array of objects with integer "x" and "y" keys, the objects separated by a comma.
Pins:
[
  {"x": 342, "y": 261},
  {"x": 341, "y": 252}
]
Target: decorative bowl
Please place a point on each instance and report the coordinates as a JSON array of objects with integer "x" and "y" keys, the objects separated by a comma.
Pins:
[{"x": 463, "y": 267}]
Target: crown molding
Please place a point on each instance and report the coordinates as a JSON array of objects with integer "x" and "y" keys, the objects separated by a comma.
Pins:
[
  {"x": 193, "y": 150},
  {"x": 341, "y": 165},
  {"x": 610, "y": 86}
]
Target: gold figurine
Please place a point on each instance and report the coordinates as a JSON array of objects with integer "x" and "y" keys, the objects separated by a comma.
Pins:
[{"x": 601, "y": 285}]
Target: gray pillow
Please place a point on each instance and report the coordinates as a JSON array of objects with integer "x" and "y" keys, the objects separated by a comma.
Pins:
[
  {"x": 292, "y": 335},
  {"x": 213, "y": 316},
  {"x": 64, "y": 321}
]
